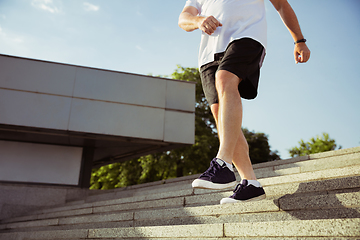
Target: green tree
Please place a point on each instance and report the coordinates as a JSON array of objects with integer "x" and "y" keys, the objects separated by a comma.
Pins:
[
  {"x": 183, "y": 161},
  {"x": 116, "y": 175},
  {"x": 315, "y": 145}
]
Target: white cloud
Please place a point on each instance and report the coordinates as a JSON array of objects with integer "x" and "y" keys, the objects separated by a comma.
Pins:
[
  {"x": 90, "y": 7},
  {"x": 139, "y": 48},
  {"x": 46, "y": 5}
]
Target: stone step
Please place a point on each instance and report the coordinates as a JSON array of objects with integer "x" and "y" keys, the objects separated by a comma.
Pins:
[
  {"x": 281, "y": 184},
  {"x": 206, "y": 197},
  {"x": 309, "y": 201},
  {"x": 320, "y": 161},
  {"x": 329, "y": 162},
  {"x": 332, "y": 213},
  {"x": 315, "y": 156},
  {"x": 307, "y": 187},
  {"x": 283, "y": 208},
  {"x": 288, "y": 207},
  {"x": 324, "y": 228},
  {"x": 184, "y": 188},
  {"x": 226, "y": 238}
]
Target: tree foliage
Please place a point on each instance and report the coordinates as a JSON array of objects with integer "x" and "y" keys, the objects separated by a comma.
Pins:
[
  {"x": 183, "y": 161},
  {"x": 116, "y": 175},
  {"x": 315, "y": 145}
]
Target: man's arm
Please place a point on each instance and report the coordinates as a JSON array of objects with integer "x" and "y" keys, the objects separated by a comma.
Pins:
[
  {"x": 189, "y": 21},
  {"x": 287, "y": 14}
]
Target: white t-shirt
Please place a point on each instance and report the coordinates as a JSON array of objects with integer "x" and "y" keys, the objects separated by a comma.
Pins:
[{"x": 239, "y": 19}]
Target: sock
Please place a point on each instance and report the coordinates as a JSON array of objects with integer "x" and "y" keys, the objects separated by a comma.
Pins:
[
  {"x": 230, "y": 166},
  {"x": 254, "y": 182}
]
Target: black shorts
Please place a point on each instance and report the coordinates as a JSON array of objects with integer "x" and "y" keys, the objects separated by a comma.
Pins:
[{"x": 243, "y": 57}]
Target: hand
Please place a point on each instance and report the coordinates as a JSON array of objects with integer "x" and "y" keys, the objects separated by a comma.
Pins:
[
  {"x": 209, "y": 24},
  {"x": 301, "y": 53}
]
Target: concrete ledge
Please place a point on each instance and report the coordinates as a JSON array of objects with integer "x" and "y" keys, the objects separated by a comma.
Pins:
[
  {"x": 67, "y": 213},
  {"x": 150, "y": 192},
  {"x": 129, "y": 200},
  {"x": 64, "y": 234},
  {"x": 332, "y": 213},
  {"x": 313, "y": 176},
  {"x": 343, "y": 200},
  {"x": 281, "y": 191},
  {"x": 291, "y": 208},
  {"x": 21, "y": 199},
  {"x": 304, "y": 228},
  {"x": 318, "y": 185},
  {"x": 34, "y": 223},
  {"x": 273, "y": 191},
  {"x": 308, "y": 157},
  {"x": 310, "y": 202},
  {"x": 294, "y": 238},
  {"x": 216, "y": 210},
  {"x": 141, "y": 205},
  {"x": 211, "y": 230},
  {"x": 127, "y": 216},
  {"x": 324, "y": 163},
  {"x": 335, "y": 153}
]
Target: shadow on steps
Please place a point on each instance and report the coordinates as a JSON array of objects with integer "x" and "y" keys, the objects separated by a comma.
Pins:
[{"x": 323, "y": 200}]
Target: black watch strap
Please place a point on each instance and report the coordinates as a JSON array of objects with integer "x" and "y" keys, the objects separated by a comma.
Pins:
[{"x": 299, "y": 41}]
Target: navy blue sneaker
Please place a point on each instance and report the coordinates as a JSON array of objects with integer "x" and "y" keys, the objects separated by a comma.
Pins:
[
  {"x": 245, "y": 192},
  {"x": 218, "y": 176}
]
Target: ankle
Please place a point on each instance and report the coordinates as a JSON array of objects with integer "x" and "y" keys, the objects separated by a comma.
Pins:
[
  {"x": 224, "y": 158},
  {"x": 229, "y": 165},
  {"x": 256, "y": 183}
]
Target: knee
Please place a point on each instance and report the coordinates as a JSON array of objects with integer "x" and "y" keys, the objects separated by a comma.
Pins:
[{"x": 226, "y": 81}]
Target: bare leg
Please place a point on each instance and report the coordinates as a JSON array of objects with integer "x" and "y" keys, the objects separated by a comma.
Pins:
[
  {"x": 228, "y": 117},
  {"x": 229, "y": 114}
]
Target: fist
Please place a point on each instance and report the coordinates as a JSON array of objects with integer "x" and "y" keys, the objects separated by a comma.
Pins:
[
  {"x": 209, "y": 24},
  {"x": 301, "y": 53}
]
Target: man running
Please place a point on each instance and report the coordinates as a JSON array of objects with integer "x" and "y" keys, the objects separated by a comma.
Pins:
[{"x": 232, "y": 49}]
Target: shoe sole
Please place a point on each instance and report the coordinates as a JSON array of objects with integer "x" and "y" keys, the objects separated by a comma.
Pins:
[
  {"x": 202, "y": 184},
  {"x": 232, "y": 200}
]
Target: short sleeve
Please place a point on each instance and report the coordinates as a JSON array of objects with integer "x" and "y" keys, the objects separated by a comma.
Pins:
[{"x": 193, "y": 3}]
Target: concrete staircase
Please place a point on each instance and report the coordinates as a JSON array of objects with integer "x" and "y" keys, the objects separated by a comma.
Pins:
[{"x": 310, "y": 197}]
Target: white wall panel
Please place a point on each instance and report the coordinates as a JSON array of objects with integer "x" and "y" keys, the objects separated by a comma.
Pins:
[
  {"x": 36, "y": 76},
  {"x": 117, "y": 119},
  {"x": 179, "y": 127},
  {"x": 34, "y": 109},
  {"x": 180, "y": 96},
  {"x": 39, "y": 163},
  {"x": 120, "y": 87}
]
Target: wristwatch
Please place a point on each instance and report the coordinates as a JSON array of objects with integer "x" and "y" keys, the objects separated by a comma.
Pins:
[{"x": 299, "y": 41}]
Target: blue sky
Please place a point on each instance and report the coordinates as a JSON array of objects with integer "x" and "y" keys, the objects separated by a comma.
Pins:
[{"x": 295, "y": 101}]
